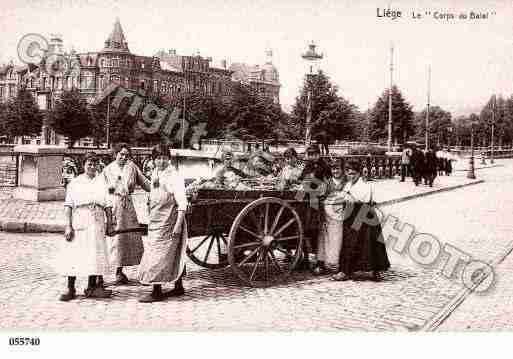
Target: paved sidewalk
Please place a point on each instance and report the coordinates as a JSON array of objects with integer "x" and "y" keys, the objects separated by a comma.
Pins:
[{"x": 26, "y": 216}]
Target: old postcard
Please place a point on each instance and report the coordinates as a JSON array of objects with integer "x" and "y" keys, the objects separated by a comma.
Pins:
[{"x": 254, "y": 166}]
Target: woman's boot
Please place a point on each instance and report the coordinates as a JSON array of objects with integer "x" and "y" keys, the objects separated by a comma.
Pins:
[
  {"x": 155, "y": 296},
  {"x": 94, "y": 290},
  {"x": 71, "y": 293},
  {"x": 121, "y": 278}
]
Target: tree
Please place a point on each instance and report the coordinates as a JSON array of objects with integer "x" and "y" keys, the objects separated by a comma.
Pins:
[
  {"x": 250, "y": 116},
  {"x": 122, "y": 126},
  {"x": 21, "y": 116},
  {"x": 336, "y": 121},
  {"x": 70, "y": 116},
  {"x": 498, "y": 111},
  {"x": 332, "y": 115},
  {"x": 402, "y": 117},
  {"x": 440, "y": 126}
]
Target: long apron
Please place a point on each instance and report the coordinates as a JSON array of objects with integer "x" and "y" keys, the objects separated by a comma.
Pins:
[
  {"x": 164, "y": 257},
  {"x": 86, "y": 254},
  {"x": 125, "y": 249},
  {"x": 331, "y": 233}
]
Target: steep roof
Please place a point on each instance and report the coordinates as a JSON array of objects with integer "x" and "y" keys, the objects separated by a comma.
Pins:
[{"x": 116, "y": 41}]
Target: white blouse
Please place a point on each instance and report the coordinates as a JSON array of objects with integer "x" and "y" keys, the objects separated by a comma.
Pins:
[
  {"x": 171, "y": 182},
  {"x": 83, "y": 190},
  {"x": 360, "y": 191}
]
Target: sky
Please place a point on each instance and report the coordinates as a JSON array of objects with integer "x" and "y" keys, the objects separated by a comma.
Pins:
[{"x": 469, "y": 58}]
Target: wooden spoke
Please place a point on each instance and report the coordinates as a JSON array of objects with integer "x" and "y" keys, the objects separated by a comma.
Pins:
[
  {"x": 275, "y": 223},
  {"x": 255, "y": 267},
  {"x": 249, "y": 256},
  {"x": 288, "y": 238},
  {"x": 250, "y": 232},
  {"x": 208, "y": 250},
  {"x": 282, "y": 228},
  {"x": 245, "y": 245},
  {"x": 266, "y": 264},
  {"x": 224, "y": 240},
  {"x": 266, "y": 219},
  {"x": 275, "y": 261},
  {"x": 218, "y": 249},
  {"x": 201, "y": 243}
]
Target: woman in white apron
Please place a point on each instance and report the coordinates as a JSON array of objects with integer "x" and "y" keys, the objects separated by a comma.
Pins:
[
  {"x": 164, "y": 255},
  {"x": 121, "y": 177},
  {"x": 330, "y": 236},
  {"x": 88, "y": 213}
]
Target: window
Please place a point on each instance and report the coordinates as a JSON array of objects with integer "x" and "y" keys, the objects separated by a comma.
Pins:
[{"x": 102, "y": 63}]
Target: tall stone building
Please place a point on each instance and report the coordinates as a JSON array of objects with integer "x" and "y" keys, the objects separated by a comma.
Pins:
[
  {"x": 166, "y": 74},
  {"x": 263, "y": 79}
]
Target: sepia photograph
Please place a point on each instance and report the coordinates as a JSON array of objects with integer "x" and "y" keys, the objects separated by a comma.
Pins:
[{"x": 217, "y": 167}]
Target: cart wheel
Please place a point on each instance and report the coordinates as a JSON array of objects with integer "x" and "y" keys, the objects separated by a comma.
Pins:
[
  {"x": 209, "y": 251},
  {"x": 265, "y": 242}
]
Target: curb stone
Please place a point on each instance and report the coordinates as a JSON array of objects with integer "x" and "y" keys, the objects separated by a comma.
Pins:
[
  {"x": 20, "y": 226},
  {"x": 423, "y": 194}
]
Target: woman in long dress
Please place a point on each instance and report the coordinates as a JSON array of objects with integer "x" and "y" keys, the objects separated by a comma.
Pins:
[
  {"x": 362, "y": 246},
  {"x": 330, "y": 236},
  {"x": 88, "y": 215},
  {"x": 164, "y": 248},
  {"x": 121, "y": 177}
]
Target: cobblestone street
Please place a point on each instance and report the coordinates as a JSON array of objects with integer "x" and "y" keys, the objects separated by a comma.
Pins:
[{"x": 475, "y": 219}]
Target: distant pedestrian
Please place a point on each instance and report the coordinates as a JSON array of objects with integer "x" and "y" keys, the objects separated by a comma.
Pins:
[
  {"x": 405, "y": 162},
  {"x": 88, "y": 217},
  {"x": 417, "y": 165},
  {"x": 430, "y": 167},
  {"x": 165, "y": 247},
  {"x": 121, "y": 177}
]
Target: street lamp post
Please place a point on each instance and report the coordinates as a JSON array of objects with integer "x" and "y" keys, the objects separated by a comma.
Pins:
[
  {"x": 107, "y": 124},
  {"x": 428, "y": 104},
  {"x": 312, "y": 57},
  {"x": 389, "y": 140},
  {"x": 471, "y": 173},
  {"x": 493, "y": 125}
]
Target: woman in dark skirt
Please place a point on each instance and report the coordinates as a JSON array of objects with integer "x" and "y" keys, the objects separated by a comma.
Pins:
[{"x": 362, "y": 248}]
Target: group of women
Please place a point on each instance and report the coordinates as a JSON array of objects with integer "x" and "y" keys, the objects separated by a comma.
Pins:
[
  {"x": 341, "y": 248},
  {"x": 101, "y": 224}
]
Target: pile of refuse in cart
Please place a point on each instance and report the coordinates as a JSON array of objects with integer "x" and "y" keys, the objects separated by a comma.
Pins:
[{"x": 240, "y": 184}]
